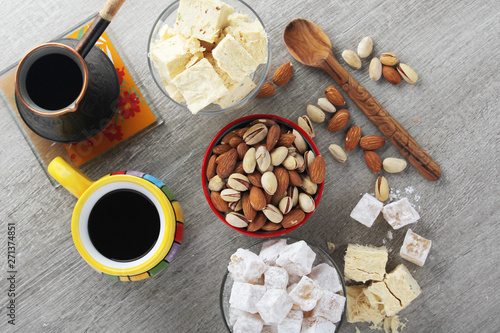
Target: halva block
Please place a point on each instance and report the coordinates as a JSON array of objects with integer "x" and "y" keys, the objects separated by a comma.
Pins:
[
  {"x": 364, "y": 263},
  {"x": 402, "y": 285},
  {"x": 234, "y": 59}
]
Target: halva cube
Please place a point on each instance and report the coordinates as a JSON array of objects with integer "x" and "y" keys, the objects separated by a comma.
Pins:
[
  {"x": 359, "y": 309},
  {"x": 200, "y": 85},
  {"x": 250, "y": 35},
  {"x": 297, "y": 258},
  {"x": 203, "y": 19},
  {"x": 248, "y": 323},
  {"x": 237, "y": 92},
  {"x": 378, "y": 294},
  {"x": 234, "y": 59},
  {"x": 400, "y": 213},
  {"x": 415, "y": 248},
  {"x": 402, "y": 285},
  {"x": 367, "y": 210},
  {"x": 363, "y": 263},
  {"x": 246, "y": 266},
  {"x": 244, "y": 296},
  {"x": 274, "y": 305}
]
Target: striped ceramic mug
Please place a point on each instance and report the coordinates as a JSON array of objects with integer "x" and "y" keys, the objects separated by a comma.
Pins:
[{"x": 126, "y": 225}]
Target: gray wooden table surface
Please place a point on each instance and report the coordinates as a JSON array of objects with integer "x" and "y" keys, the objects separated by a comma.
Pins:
[{"x": 452, "y": 112}]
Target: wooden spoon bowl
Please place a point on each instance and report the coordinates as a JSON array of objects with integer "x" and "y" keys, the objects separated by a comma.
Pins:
[{"x": 310, "y": 45}]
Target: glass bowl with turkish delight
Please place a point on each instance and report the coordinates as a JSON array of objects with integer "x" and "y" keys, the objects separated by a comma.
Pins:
[
  {"x": 209, "y": 56},
  {"x": 282, "y": 285}
]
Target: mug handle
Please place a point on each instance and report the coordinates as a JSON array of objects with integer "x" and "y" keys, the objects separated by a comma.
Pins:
[{"x": 68, "y": 176}]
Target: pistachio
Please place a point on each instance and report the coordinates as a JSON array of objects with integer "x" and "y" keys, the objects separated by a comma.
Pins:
[
  {"x": 375, "y": 69},
  {"x": 407, "y": 73},
  {"x": 236, "y": 205},
  {"x": 238, "y": 182},
  {"x": 382, "y": 189},
  {"x": 276, "y": 199},
  {"x": 249, "y": 160},
  {"x": 394, "y": 165},
  {"x": 293, "y": 193},
  {"x": 301, "y": 164},
  {"x": 389, "y": 59},
  {"x": 230, "y": 195},
  {"x": 338, "y": 153},
  {"x": 263, "y": 158},
  {"x": 352, "y": 59},
  {"x": 237, "y": 220},
  {"x": 325, "y": 104},
  {"x": 286, "y": 205},
  {"x": 255, "y": 134},
  {"x": 273, "y": 214},
  {"x": 306, "y": 203},
  {"x": 309, "y": 158},
  {"x": 308, "y": 186},
  {"x": 215, "y": 184},
  {"x": 278, "y": 155},
  {"x": 365, "y": 47},
  {"x": 269, "y": 182},
  {"x": 299, "y": 142},
  {"x": 292, "y": 151},
  {"x": 290, "y": 163},
  {"x": 306, "y": 124},
  {"x": 315, "y": 113}
]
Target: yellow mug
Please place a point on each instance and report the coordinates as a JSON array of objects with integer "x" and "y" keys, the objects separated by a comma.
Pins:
[{"x": 126, "y": 225}]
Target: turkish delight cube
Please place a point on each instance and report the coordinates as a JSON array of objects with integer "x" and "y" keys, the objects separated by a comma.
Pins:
[
  {"x": 317, "y": 325},
  {"x": 292, "y": 322},
  {"x": 297, "y": 258},
  {"x": 274, "y": 305},
  {"x": 271, "y": 249},
  {"x": 275, "y": 277},
  {"x": 367, "y": 210},
  {"x": 306, "y": 294},
  {"x": 327, "y": 277},
  {"x": 248, "y": 323},
  {"x": 415, "y": 248},
  {"x": 330, "y": 306},
  {"x": 400, "y": 213},
  {"x": 246, "y": 266},
  {"x": 244, "y": 296}
]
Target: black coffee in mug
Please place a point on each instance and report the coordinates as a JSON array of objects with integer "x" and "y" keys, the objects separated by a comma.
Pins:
[{"x": 124, "y": 225}]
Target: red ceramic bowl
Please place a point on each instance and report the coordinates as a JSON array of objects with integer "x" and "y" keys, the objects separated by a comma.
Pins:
[{"x": 239, "y": 123}]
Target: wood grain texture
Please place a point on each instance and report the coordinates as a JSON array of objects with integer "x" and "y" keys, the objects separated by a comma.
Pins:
[{"x": 452, "y": 111}]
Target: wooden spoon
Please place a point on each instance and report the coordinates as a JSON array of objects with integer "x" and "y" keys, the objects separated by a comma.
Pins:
[{"x": 311, "y": 46}]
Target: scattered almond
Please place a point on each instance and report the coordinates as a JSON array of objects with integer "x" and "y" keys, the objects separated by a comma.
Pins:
[
  {"x": 283, "y": 74},
  {"x": 371, "y": 142},
  {"x": 266, "y": 90},
  {"x": 373, "y": 161},
  {"x": 391, "y": 75},
  {"x": 334, "y": 96},
  {"x": 352, "y": 138},
  {"x": 339, "y": 120}
]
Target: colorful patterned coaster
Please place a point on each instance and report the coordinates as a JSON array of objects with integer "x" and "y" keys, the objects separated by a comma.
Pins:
[{"x": 134, "y": 113}]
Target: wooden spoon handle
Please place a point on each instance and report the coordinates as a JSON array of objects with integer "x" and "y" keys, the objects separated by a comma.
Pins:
[{"x": 399, "y": 137}]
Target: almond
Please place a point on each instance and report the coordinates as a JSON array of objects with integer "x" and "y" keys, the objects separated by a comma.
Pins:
[
  {"x": 225, "y": 139},
  {"x": 271, "y": 226},
  {"x": 257, "y": 223},
  {"x": 286, "y": 140},
  {"x": 226, "y": 163},
  {"x": 238, "y": 168},
  {"x": 255, "y": 178},
  {"x": 391, "y": 75},
  {"x": 372, "y": 142},
  {"x": 317, "y": 170},
  {"x": 240, "y": 132},
  {"x": 283, "y": 74},
  {"x": 339, "y": 120},
  {"x": 273, "y": 136},
  {"x": 352, "y": 138},
  {"x": 248, "y": 210},
  {"x": 334, "y": 96},
  {"x": 283, "y": 180},
  {"x": 295, "y": 178},
  {"x": 266, "y": 121},
  {"x": 266, "y": 90},
  {"x": 293, "y": 218},
  {"x": 219, "y": 204},
  {"x": 242, "y": 150},
  {"x": 373, "y": 161},
  {"x": 221, "y": 149},
  {"x": 235, "y": 141},
  {"x": 257, "y": 198},
  {"x": 211, "y": 167}
]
